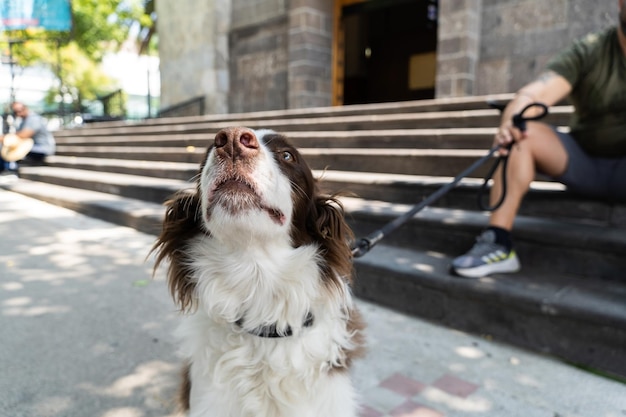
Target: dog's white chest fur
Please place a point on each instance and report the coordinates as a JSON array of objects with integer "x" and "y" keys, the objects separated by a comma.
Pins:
[{"x": 238, "y": 374}]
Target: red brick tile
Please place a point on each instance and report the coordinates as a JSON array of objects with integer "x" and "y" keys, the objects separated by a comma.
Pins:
[
  {"x": 369, "y": 412},
  {"x": 412, "y": 409},
  {"x": 403, "y": 385},
  {"x": 405, "y": 409},
  {"x": 455, "y": 386}
]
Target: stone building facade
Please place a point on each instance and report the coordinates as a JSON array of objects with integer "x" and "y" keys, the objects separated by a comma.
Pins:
[{"x": 250, "y": 55}]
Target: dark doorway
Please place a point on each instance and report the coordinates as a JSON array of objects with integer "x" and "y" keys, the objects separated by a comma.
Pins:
[{"x": 390, "y": 50}]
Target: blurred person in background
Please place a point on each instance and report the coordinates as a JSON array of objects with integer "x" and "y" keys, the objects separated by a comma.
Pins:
[{"x": 32, "y": 126}]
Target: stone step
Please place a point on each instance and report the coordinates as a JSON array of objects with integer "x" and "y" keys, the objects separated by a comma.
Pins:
[
  {"x": 572, "y": 247},
  {"x": 142, "y": 215},
  {"x": 161, "y": 169},
  {"x": 155, "y": 190},
  {"x": 431, "y": 120},
  {"x": 454, "y": 138},
  {"x": 434, "y": 162},
  {"x": 418, "y": 106},
  {"x": 592, "y": 251},
  {"x": 145, "y": 153},
  {"x": 545, "y": 199},
  {"x": 578, "y": 319}
]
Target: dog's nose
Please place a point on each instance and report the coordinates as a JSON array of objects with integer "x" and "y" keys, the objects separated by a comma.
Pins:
[
  {"x": 237, "y": 138},
  {"x": 236, "y": 141}
]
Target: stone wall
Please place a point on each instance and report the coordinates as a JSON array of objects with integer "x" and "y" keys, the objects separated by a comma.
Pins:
[
  {"x": 258, "y": 66},
  {"x": 458, "y": 42},
  {"x": 280, "y": 54},
  {"x": 194, "y": 52},
  {"x": 310, "y": 53},
  {"x": 244, "y": 55},
  {"x": 518, "y": 37}
]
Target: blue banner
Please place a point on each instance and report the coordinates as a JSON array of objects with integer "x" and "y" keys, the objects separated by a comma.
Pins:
[{"x": 45, "y": 14}]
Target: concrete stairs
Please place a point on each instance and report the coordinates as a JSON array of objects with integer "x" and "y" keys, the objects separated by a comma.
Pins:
[{"x": 569, "y": 300}]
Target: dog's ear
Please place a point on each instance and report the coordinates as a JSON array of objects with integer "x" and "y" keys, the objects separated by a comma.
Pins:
[
  {"x": 330, "y": 230},
  {"x": 181, "y": 223}
]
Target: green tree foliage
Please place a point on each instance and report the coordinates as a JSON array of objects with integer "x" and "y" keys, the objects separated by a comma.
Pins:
[
  {"x": 82, "y": 78},
  {"x": 99, "y": 26}
]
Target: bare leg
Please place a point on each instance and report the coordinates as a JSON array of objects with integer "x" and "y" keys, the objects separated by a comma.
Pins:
[{"x": 541, "y": 150}]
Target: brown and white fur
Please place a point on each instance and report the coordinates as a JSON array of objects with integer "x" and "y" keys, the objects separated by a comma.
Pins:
[{"x": 256, "y": 248}]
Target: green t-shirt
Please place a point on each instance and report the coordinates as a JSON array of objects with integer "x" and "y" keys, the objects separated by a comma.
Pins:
[{"x": 595, "y": 66}]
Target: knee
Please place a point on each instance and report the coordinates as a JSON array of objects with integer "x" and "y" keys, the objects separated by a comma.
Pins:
[
  {"x": 537, "y": 130},
  {"x": 535, "y": 137}
]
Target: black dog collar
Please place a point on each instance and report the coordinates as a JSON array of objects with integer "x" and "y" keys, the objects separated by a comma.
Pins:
[{"x": 271, "y": 331}]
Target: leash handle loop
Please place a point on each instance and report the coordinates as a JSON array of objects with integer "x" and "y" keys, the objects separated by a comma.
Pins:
[{"x": 519, "y": 119}]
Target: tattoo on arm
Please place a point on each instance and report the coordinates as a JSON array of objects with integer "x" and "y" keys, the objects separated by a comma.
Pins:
[{"x": 546, "y": 76}]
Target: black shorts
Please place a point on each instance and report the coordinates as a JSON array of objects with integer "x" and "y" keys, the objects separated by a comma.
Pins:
[{"x": 592, "y": 176}]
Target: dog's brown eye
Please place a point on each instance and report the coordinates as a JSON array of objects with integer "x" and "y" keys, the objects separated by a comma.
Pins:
[{"x": 287, "y": 156}]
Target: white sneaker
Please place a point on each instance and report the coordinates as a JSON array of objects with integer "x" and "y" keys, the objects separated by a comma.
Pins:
[{"x": 486, "y": 257}]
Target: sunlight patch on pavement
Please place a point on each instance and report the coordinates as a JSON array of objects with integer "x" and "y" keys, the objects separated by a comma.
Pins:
[
  {"x": 424, "y": 267},
  {"x": 469, "y": 352},
  {"x": 17, "y": 301},
  {"x": 124, "y": 412},
  {"x": 34, "y": 311},
  {"x": 528, "y": 381},
  {"x": 146, "y": 376},
  {"x": 92, "y": 234},
  {"x": 469, "y": 405},
  {"x": 8, "y": 217},
  {"x": 12, "y": 286},
  {"x": 52, "y": 406}
]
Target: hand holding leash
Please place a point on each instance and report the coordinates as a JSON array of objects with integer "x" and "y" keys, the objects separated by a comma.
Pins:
[
  {"x": 520, "y": 119},
  {"x": 519, "y": 122}
]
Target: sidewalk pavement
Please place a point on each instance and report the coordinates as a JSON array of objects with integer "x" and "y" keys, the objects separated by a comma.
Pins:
[{"x": 85, "y": 331}]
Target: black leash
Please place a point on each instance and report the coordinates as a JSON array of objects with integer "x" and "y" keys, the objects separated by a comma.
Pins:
[
  {"x": 519, "y": 121},
  {"x": 365, "y": 244}
]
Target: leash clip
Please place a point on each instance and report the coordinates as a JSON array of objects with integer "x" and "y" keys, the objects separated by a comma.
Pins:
[{"x": 361, "y": 248}]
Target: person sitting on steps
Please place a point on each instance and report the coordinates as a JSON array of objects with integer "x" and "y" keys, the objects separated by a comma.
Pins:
[
  {"x": 589, "y": 160},
  {"x": 32, "y": 126}
]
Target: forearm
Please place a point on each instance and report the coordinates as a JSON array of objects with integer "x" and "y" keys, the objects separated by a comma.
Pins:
[
  {"x": 515, "y": 106},
  {"x": 549, "y": 88},
  {"x": 25, "y": 133}
]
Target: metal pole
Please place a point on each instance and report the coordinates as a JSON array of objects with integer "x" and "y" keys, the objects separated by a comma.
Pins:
[
  {"x": 149, "y": 94},
  {"x": 11, "y": 64},
  {"x": 62, "y": 102}
]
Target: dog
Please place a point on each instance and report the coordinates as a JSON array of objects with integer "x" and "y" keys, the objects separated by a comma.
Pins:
[{"x": 261, "y": 266}]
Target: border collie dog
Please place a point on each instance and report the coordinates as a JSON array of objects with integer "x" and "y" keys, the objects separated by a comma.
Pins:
[{"x": 260, "y": 265}]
